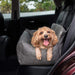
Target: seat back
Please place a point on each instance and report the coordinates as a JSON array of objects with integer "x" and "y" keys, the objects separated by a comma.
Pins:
[
  {"x": 66, "y": 16},
  {"x": 69, "y": 47},
  {"x": 66, "y": 19}
]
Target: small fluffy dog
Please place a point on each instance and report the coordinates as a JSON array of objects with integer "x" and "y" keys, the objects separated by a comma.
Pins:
[{"x": 44, "y": 38}]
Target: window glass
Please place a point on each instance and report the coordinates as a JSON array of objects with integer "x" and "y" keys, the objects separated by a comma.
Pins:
[
  {"x": 5, "y": 8},
  {"x": 36, "y": 7}
]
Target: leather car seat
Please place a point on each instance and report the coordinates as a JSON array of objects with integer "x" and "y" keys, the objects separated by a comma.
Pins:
[
  {"x": 3, "y": 39},
  {"x": 68, "y": 48}
]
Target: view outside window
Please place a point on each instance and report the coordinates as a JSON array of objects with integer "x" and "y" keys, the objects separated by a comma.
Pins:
[
  {"x": 37, "y": 6},
  {"x": 28, "y": 7},
  {"x": 5, "y": 7}
]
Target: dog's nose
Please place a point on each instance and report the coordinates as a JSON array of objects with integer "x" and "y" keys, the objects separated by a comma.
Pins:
[{"x": 45, "y": 36}]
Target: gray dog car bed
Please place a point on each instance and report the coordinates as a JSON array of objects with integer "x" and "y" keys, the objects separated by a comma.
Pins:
[{"x": 26, "y": 52}]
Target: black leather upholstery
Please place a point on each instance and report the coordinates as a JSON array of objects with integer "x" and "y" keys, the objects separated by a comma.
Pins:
[
  {"x": 13, "y": 32},
  {"x": 33, "y": 70},
  {"x": 3, "y": 39},
  {"x": 66, "y": 16},
  {"x": 3, "y": 46},
  {"x": 8, "y": 66}
]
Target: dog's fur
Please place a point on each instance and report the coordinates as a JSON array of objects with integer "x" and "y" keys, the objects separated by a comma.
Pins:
[{"x": 44, "y": 38}]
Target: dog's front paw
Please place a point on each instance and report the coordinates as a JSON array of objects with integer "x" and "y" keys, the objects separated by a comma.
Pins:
[
  {"x": 38, "y": 54},
  {"x": 49, "y": 57},
  {"x": 49, "y": 54},
  {"x": 38, "y": 57}
]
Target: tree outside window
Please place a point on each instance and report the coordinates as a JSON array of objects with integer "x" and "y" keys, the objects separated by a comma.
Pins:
[
  {"x": 5, "y": 6},
  {"x": 28, "y": 5}
]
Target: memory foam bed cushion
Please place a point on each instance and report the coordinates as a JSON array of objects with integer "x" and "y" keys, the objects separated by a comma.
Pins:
[{"x": 26, "y": 52}]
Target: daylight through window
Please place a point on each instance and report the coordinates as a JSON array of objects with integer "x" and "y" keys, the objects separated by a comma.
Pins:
[
  {"x": 5, "y": 7},
  {"x": 39, "y": 7}
]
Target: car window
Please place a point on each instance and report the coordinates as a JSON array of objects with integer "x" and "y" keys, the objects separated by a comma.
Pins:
[
  {"x": 5, "y": 8},
  {"x": 36, "y": 7},
  {"x": 28, "y": 7}
]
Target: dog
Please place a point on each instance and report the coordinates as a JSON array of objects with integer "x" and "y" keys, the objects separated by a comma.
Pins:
[{"x": 44, "y": 38}]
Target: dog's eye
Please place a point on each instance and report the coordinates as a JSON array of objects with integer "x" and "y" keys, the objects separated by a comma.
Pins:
[
  {"x": 48, "y": 31},
  {"x": 41, "y": 33}
]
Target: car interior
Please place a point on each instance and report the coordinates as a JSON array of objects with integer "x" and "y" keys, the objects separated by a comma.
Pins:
[{"x": 11, "y": 31}]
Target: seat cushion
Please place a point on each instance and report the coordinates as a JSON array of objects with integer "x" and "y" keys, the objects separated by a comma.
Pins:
[{"x": 26, "y": 52}]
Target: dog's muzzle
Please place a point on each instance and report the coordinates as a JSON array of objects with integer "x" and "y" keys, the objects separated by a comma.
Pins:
[{"x": 45, "y": 36}]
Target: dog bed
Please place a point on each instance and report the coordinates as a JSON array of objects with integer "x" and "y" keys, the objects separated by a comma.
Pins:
[{"x": 26, "y": 52}]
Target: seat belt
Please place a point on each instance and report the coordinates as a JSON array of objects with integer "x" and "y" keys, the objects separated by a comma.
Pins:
[
  {"x": 70, "y": 36},
  {"x": 64, "y": 18}
]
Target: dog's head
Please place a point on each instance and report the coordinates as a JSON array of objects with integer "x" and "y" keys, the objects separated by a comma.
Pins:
[{"x": 44, "y": 36}]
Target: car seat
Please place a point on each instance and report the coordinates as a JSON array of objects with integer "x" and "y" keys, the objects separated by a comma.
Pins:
[
  {"x": 43, "y": 70},
  {"x": 3, "y": 39},
  {"x": 68, "y": 48},
  {"x": 6, "y": 65}
]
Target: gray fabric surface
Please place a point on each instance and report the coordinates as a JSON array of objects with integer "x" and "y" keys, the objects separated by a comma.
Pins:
[{"x": 26, "y": 52}]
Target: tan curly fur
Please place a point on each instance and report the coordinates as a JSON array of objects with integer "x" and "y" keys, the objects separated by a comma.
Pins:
[{"x": 38, "y": 41}]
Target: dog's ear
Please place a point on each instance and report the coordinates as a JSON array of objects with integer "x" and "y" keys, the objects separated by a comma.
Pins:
[
  {"x": 54, "y": 38},
  {"x": 34, "y": 40}
]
